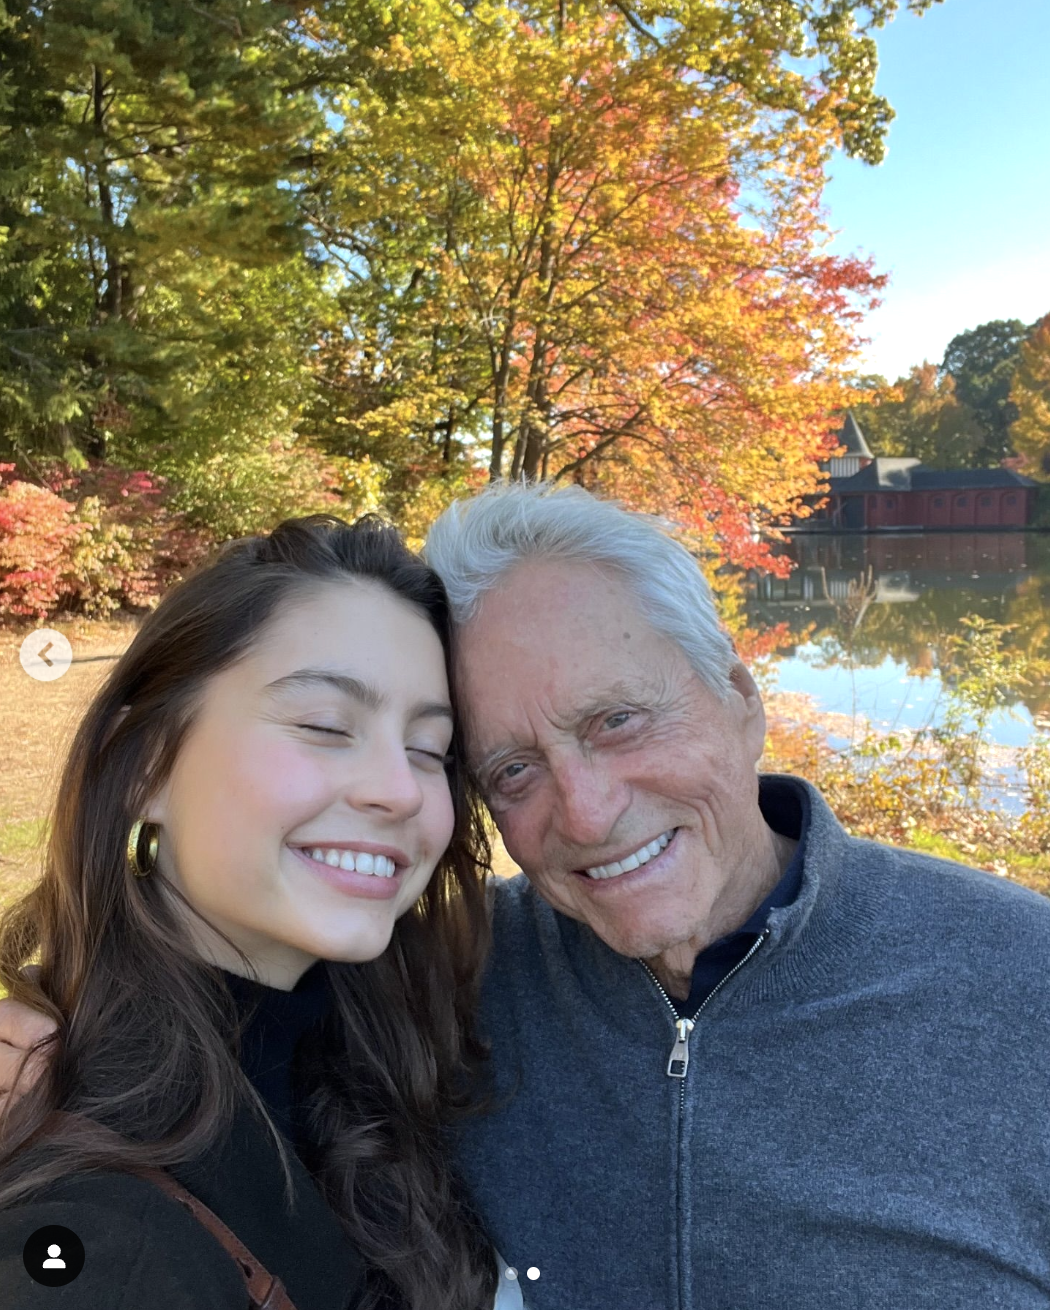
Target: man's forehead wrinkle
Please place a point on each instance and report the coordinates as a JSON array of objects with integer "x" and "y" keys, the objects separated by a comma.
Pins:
[{"x": 551, "y": 562}]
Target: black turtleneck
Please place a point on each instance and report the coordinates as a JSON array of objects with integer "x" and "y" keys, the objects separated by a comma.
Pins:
[
  {"x": 241, "y": 1180},
  {"x": 276, "y": 1022}
]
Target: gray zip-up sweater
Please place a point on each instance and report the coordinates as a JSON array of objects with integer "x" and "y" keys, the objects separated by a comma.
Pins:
[{"x": 864, "y": 1119}]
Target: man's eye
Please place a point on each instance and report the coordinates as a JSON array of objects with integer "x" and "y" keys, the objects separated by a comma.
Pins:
[
  {"x": 505, "y": 777},
  {"x": 617, "y": 720}
]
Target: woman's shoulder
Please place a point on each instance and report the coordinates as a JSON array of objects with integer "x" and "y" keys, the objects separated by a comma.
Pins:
[{"x": 140, "y": 1247}]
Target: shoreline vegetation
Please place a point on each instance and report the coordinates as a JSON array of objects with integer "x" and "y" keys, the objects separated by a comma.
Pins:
[
  {"x": 976, "y": 802},
  {"x": 932, "y": 789}
]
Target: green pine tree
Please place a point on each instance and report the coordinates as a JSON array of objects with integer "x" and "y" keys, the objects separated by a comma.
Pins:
[{"x": 149, "y": 150}]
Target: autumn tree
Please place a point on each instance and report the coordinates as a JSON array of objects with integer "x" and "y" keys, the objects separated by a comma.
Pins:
[
  {"x": 438, "y": 240},
  {"x": 814, "y": 59},
  {"x": 568, "y": 254},
  {"x": 1030, "y": 397}
]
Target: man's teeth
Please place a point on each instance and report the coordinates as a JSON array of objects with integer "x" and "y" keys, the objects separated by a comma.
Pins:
[
  {"x": 634, "y": 861},
  {"x": 354, "y": 861}
]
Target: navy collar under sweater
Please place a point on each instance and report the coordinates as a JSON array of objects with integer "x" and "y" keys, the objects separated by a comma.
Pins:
[{"x": 788, "y": 814}]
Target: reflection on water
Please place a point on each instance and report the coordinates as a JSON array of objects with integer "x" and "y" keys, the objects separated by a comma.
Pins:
[{"x": 868, "y": 617}]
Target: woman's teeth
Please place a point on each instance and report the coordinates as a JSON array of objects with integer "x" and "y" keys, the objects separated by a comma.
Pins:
[
  {"x": 354, "y": 861},
  {"x": 635, "y": 861}
]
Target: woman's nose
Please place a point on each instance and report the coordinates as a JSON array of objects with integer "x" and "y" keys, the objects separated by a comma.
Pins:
[{"x": 385, "y": 780}]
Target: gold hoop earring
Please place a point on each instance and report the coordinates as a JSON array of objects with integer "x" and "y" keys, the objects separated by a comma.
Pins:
[{"x": 135, "y": 864}]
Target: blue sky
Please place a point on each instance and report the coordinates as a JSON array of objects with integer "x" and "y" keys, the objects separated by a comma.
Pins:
[{"x": 959, "y": 213}]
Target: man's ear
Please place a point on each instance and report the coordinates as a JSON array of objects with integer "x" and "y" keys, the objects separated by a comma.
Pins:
[{"x": 753, "y": 725}]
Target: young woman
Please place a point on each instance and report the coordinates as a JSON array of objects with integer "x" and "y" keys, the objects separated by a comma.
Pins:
[{"x": 259, "y": 931}]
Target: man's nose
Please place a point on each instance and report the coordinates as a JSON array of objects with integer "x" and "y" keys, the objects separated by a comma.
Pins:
[
  {"x": 384, "y": 780},
  {"x": 590, "y": 800}
]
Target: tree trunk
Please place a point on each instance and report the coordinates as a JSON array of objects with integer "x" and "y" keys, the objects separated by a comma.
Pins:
[
  {"x": 449, "y": 426},
  {"x": 496, "y": 455},
  {"x": 532, "y": 441},
  {"x": 519, "y": 450},
  {"x": 533, "y": 453},
  {"x": 115, "y": 273},
  {"x": 499, "y": 400}
]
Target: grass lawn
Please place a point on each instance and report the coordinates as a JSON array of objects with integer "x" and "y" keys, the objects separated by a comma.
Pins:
[{"x": 37, "y": 721}]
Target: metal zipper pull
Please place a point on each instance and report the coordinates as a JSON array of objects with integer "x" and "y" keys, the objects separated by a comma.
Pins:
[{"x": 678, "y": 1064}]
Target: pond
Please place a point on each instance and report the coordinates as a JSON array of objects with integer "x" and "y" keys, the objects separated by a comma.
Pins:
[{"x": 864, "y": 619}]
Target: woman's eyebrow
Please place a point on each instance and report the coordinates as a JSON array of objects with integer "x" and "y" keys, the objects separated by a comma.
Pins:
[{"x": 362, "y": 692}]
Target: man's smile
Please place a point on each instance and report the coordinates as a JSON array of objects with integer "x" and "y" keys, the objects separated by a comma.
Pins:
[
  {"x": 628, "y": 863},
  {"x": 648, "y": 858}
]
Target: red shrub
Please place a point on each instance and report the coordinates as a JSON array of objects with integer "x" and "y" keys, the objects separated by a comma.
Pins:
[{"x": 92, "y": 540}]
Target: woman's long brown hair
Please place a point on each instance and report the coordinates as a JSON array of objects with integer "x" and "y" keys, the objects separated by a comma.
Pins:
[{"x": 146, "y": 1036}]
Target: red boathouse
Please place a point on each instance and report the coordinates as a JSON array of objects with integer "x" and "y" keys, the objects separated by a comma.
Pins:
[{"x": 868, "y": 493}]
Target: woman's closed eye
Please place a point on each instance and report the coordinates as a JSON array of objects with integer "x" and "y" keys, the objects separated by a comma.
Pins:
[
  {"x": 317, "y": 727},
  {"x": 440, "y": 759},
  {"x": 431, "y": 754}
]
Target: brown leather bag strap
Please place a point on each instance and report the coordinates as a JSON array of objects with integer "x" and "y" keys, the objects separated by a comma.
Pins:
[{"x": 265, "y": 1291}]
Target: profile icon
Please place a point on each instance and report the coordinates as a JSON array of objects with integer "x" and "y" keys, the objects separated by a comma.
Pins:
[
  {"x": 53, "y": 1256},
  {"x": 52, "y": 1261}
]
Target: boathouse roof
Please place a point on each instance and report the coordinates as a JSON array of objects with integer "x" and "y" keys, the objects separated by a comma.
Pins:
[
  {"x": 924, "y": 479},
  {"x": 853, "y": 439},
  {"x": 907, "y": 474},
  {"x": 893, "y": 473}
]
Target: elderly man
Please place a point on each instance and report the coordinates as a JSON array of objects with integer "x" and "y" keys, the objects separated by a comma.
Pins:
[
  {"x": 745, "y": 1060},
  {"x": 741, "y": 1060}
]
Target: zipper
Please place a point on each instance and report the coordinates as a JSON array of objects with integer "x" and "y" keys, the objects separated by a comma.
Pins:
[{"x": 678, "y": 1063}]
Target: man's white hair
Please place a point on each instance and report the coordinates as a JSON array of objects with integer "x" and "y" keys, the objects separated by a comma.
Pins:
[{"x": 476, "y": 541}]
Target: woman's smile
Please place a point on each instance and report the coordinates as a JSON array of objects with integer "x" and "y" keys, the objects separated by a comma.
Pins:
[{"x": 347, "y": 868}]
